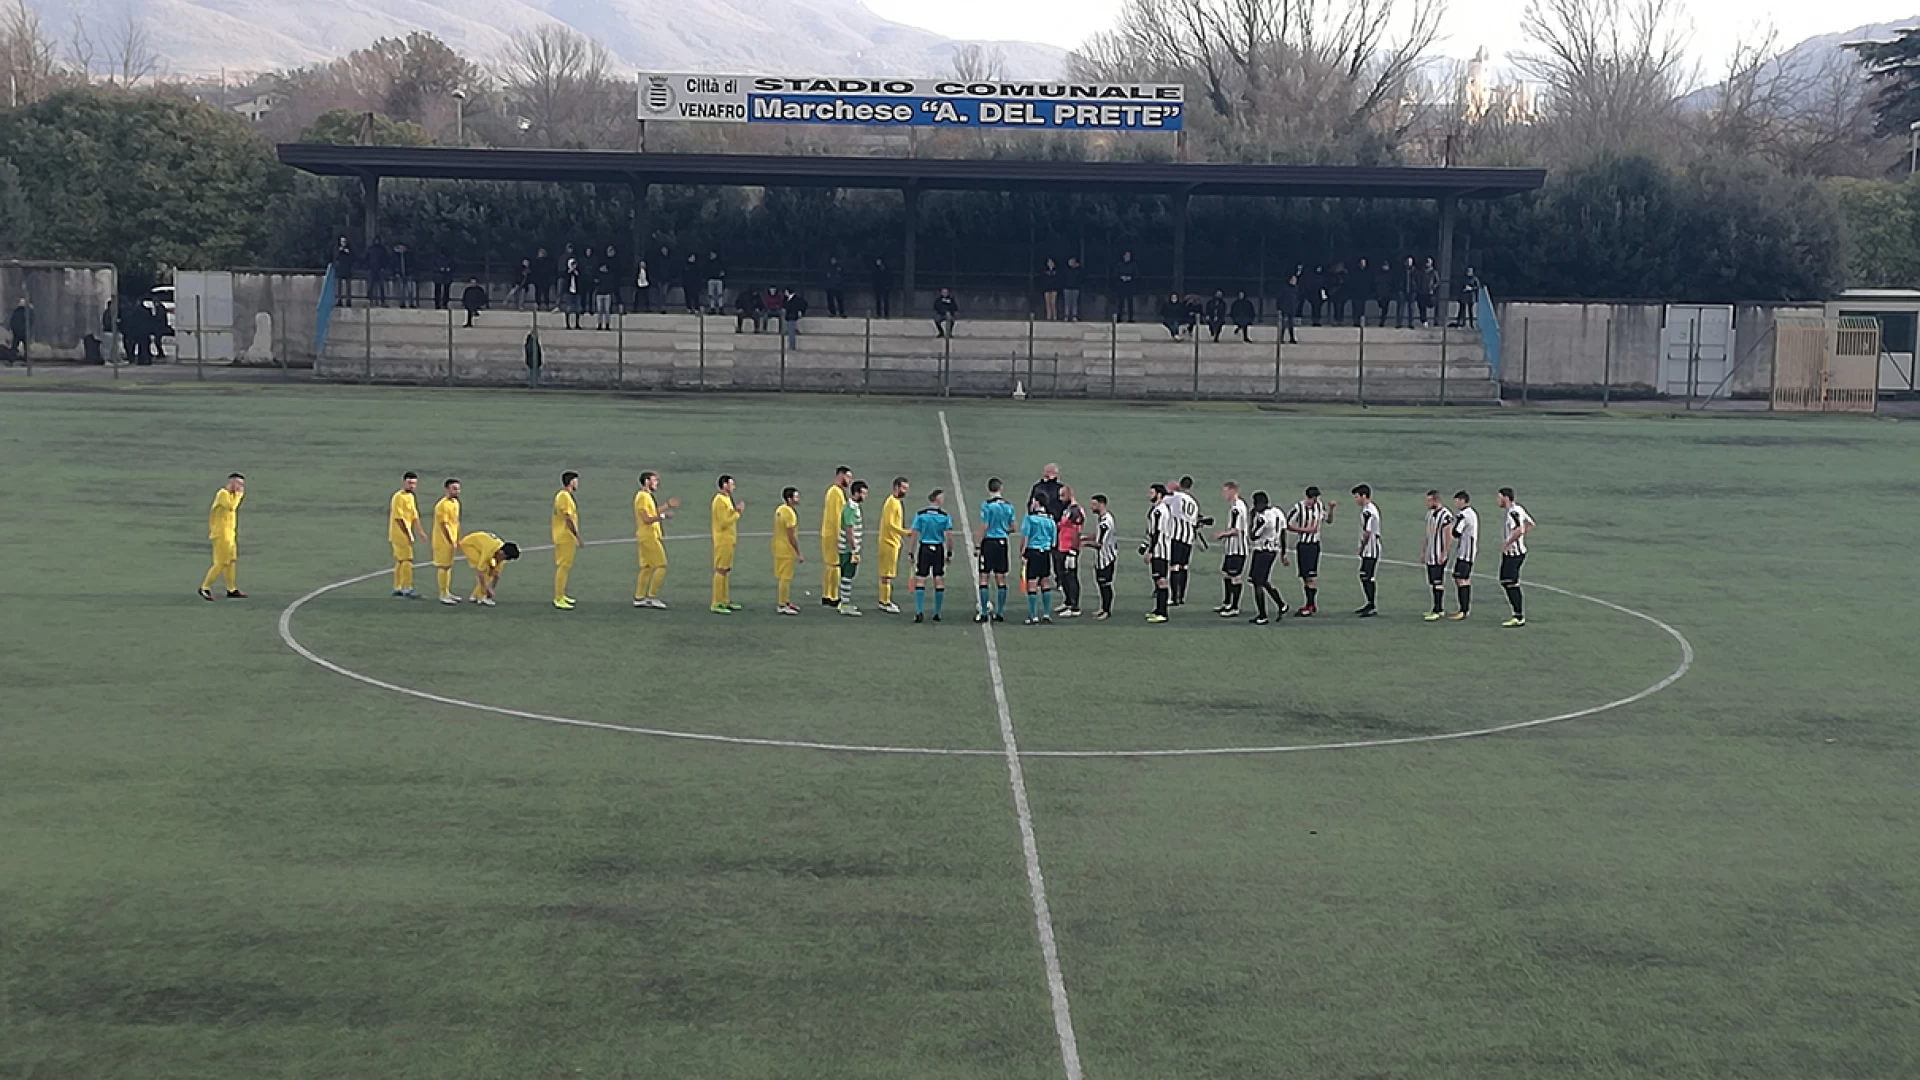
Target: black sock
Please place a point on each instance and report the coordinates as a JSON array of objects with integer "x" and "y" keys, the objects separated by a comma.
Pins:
[
  {"x": 1160, "y": 600},
  {"x": 1439, "y": 599},
  {"x": 1367, "y": 584},
  {"x": 1311, "y": 593},
  {"x": 1177, "y": 585},
  {"x": 1106, "y": 598},
  {"x": 1466, "y": 597},
  {"x": 1234, "y": 601},
  {"x": 1260, "y": 599},
  {"x": 1513, "y": 597},
  {"x": 1226, "y": 591}
]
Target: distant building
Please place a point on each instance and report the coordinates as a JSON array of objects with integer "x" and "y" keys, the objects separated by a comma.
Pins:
[
  {"x": 254, "y": 108},
  {"x": 1482, "y": 99}
]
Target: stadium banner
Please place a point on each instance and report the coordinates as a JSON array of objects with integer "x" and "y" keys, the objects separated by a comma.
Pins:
[{"x": 997, "y": 104}]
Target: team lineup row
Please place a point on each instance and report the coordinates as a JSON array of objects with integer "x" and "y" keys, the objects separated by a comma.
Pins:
[{"x": 1050, "y": 537}]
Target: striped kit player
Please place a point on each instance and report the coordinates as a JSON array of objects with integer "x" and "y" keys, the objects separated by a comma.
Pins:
[
  {"x": 1515, "y": 524},
  {"x": 1233, "y": 558},
  {"x": 1106, "y": 554},
  {"x": 1184, "y": 510},
  {"x": 1305, "y": 521},
  {"x": 1434, "y": 550},
  {"x": 1162, "y": 521},
  {"x": 1267, "y": 538},
  {"x": 1369, "y": 545},
  {"x": 1466, "y": 544}
]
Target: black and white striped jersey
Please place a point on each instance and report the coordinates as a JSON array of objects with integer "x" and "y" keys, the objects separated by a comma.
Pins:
[
  {"x": 1185, "y": 511},
  {"x": 1512, "y": 520},
  {"x": 1236, "y": 539},
  {"x": 1161, "y": 521},
  {"x": 1466, "y": 534},
  {"x": 1106, "y": 541},
  {"x": 1370, "y": 531},
  {"x": 1306, "y": 518},
  {"x": 1439, "y": 532},
  {"x": 1269, "y": 530}
]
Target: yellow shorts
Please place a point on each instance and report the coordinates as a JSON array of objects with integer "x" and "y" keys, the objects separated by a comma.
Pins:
[
  {"x": 402, "y": 550},
  {"x": 443, "y": 557},
  {"x": 783, "y": 569},
  {"x": 225, "y": 551},
  {"x": 652, "y": 553},
  {"x": 723, "y": 556},
  {"x": 888, "y": 560},
  {"x": 563, "y": 552}
]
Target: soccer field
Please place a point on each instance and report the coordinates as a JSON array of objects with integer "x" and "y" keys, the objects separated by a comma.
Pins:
[{"x": 520, "y": 842}]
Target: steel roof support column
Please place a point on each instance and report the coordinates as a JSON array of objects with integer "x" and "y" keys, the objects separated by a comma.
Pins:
[{"x": 909, "y": 264}]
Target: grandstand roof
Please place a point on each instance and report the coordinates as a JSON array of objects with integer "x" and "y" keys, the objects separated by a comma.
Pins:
[{"x": 930, "y": 174}]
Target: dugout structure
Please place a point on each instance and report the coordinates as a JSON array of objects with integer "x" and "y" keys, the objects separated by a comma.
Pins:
[{"x": 1826, "y": 363}]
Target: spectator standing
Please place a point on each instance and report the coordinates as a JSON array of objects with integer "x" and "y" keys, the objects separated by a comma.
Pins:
[
  {"x": 532, "y": 351},
  {"x": 542, "y": 278},
  {"x": 1050, "y": 290},
  {"x": 642, "y": 288},
  {"x": 692, "y": 283},
  {"x": 606, "y": 286},
  {"x": 1315, "y": 286},
  {"x": 1406, "y": 287},
  {"x": 661, "y": 269},
  {"x": 158, "y": 328},
  {"x": 945, "y": 308},
  {"x": 1243, "y": 316},
  {"x": 882, "y": 289},
  {"x": 716, "y": 283},
  {"x": 343, "y": 273},
  {"x": 404, "y": 287},
  {"x": 1337, "y": 282},
  {"x": 572, "y": 287},
  {"x": 836, "y": 278},
  {"x": 793, "y": 308},
  {"x": 1299, "y": 280},
  {"x": 442, "y": 283},
  {"x": 1361, "y": 288},
  {"x": 1429, "y": 294},
  {"x": 1469, "y": 313},
  {"x": 1125, "y": 275},
  {"x": 376, "y": 268},
  {"x": 522, "y": 290},
  {"x": 1290, "y": 308},
  {"x": 1072, "y": 280},
  {"x": 20, "y": 328},
  {"x": 473, "y": 298},
  {"x": 1216, "y": 312}
]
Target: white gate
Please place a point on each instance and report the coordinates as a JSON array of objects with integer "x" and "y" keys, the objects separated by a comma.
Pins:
[
  {"x": 202, "y": 316},
  {"x": 1696, "y": 348}
]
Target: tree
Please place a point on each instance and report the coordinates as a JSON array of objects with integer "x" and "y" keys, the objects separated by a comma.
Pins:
[
  {"x": 1893, "y": 68},
  {"x": 130, "y": 54},
  {"x": 978, "y": 63},
  {"x": 560, "y": 82},
  {"x": 16, "y": 222},
  {"x": 1613, "y": 72},
  {"x": 27, "y": 64},
  {"x": 344, "y": 127},
  {"x": 1882, "y": 230},
  {"x": 144, "y": 181},
  {"x": 409, "y": 79}
]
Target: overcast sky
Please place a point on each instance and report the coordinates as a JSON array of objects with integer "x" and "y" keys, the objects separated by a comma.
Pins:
[{"x": 1495, "y": 24}]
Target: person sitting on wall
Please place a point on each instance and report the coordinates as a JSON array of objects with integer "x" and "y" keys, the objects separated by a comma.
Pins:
[
  {"x": 1173, "y": 315},
  {"x": 944, "y": 310},
  {"x": 474, "y": 299},
  {"x": 747, "y": 307}
]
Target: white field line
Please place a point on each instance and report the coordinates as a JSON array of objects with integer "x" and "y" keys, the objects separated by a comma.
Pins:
[{"x": 1023, "y": 811}]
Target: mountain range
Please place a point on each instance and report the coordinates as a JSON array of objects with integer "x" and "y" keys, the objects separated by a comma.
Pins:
[{"x": 801, "y": 37}]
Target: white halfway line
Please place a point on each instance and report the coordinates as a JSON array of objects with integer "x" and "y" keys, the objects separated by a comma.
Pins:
[{"x": 1023, "y": 810}]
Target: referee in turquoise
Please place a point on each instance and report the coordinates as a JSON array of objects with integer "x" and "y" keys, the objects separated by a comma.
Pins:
[
  {"x": 1038, "y": 531},
  {"x": 996, "y": 517}
]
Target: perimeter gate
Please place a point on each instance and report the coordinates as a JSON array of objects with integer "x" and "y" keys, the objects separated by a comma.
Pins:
[{"x": 1826, "y": 364}]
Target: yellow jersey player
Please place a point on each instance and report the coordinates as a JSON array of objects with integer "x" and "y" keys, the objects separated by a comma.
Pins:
[
  {"x": 488, "y": 555},
  {"x": 403, "y": 531},
  {"x": 831, "y": 506},
  {"x": 223, "y": 530},
  {"x": 566, "y": 537},
  {"x": 893, "y": 530},
  {"x": 726, "y": 533},
  {"x": 647, "y": 517},
  {"x": 446, "y": 539},
  {"x": 786, "y": 550}
]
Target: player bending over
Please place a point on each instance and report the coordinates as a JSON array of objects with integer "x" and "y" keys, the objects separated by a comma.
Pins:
[{"x": 488, "y": 555}]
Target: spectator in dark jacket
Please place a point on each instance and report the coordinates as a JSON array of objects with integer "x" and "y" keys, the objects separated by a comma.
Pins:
[
  {"x": 1429, "y": 284},
  {"x": 882, "y": 290},
  {"x": 1406, "y": 285},
  {"x": 747, "y": 308},
  {"x": 343, "y": 273},
  {"x": 1315, "y": 286},
  {"x": 1290, "y": 308},
  {"x": 716, "y": 283},
  {"x": 20, "y": 328},
  {"x": 473, "y": 298},
  {"x": 1337, "y": 282},
  {"x": 1050, "y": 289},
  {"x": 606, "y": 289},
  {"x": 1216, "y": 313},
  {"x": 1360, "y": 288},
  {"x": 693, "y": 284},
  {"x": 944, "y": 310},
  {"x": 1173, "y": 315},
  {"x": 522, "y": 290},
  {"x": 793, "y": 308},
  {"x": 542, "y": 277},
  {"x": 1243, "y": 316},
  {"x": 442, "y": 283},
  {"x": 1072, "y": 280},
  {"x": 375, "y": 265},
  {"x": 1126, "y": 276},
  {"x": 836, "y": 279},
  {"x": 573, "y": 286},
  {"x": 401, "y": 267},
  {"x": 1469, "y": 301}
]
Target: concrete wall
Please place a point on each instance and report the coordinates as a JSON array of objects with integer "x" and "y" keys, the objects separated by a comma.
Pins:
[
  {"x": 68, "y": 300},
  {"x": 288, "y": 299},
  {"x": 1563, "y": 348}
]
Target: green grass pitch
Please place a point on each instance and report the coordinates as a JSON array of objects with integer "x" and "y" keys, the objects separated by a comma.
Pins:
[{"x": 220, "y": 860}]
